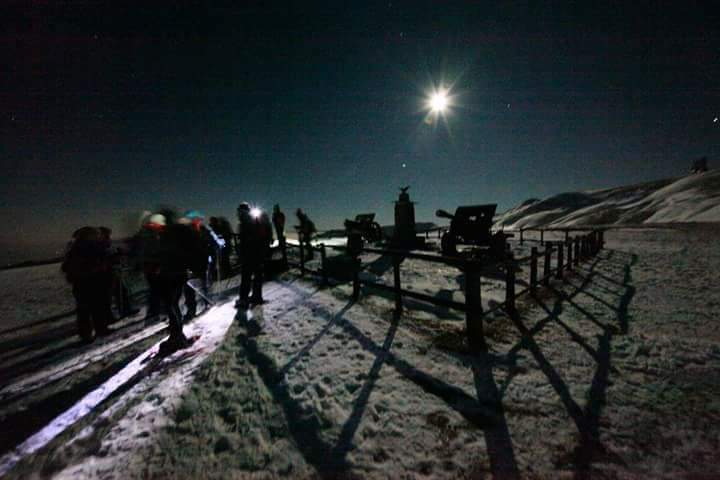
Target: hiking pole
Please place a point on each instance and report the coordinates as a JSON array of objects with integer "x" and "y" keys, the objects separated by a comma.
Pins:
[{"x": 200, "y": 292}]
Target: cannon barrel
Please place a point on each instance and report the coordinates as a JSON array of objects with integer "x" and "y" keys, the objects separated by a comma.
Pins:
[{"x": 443, "y": 214}]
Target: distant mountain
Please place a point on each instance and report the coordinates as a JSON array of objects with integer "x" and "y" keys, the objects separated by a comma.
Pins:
[{"x": 694, "y": 198}]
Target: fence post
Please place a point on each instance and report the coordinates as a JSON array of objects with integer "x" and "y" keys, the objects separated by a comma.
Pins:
[
  {"x": 546, "y": 265},
  {"x": 596, "y": 242},
  {"x": 473, "y": 307},
  {"x": 569, "y": 254},
  {"x": 588, "y": 246},
  {"x": 283, "y": 249},
  {"x": 559, "y": 271},
  {"x": 582, "y": 243},
  {"x": 542, "y": 237},
  {"x": 398, "y": 288},
  {"x": 533, "y": 269},
  {"x": 521, "y": 236},
  {"x": 576, "y": 241},
  {"x": 302, "y": 260},
  {"x": 602, "y": 239},
  {"x": 323, "y": 257},
  {"x": 510, "y": 283},
  {"x": 567, "y": 235}
]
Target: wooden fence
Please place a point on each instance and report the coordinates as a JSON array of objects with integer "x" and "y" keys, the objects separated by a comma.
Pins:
[
  {"x": 567, "y": 254},
  {"x": 566, "y": 231}
]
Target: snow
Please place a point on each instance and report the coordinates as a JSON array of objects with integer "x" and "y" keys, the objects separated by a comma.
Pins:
[
  {"x": 50, "y": 295},
  {"x": 160, "y": 394},
  {"x": 694, "y": 198},
  {"x": 364, "y": 395},
  {"x": 612, "y": 371},
  {"x": 68, "y": 367},
  {"x": 128, "y": 435}
]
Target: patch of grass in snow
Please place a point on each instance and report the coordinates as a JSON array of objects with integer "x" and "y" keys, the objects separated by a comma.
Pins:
[{"x": 226, "y": 425}]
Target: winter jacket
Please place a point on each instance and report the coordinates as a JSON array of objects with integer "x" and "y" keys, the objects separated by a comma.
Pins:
[
  {"x": 278, "y": 219},
  {"x": 183, "y": 249},
  {"x": 254, "y": 237},
  {"x": 84, "y": 260},
  {"x": 306, "y": 227}
]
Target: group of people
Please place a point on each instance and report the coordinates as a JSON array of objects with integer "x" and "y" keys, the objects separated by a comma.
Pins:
[{"x": 171, "y": 251}]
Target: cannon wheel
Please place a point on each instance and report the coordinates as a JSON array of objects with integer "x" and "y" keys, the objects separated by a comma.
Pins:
[
  {"x": 377, "y": 232},
  {"x": 449, "y": 245},
  {"x": 497, "y": 246}
]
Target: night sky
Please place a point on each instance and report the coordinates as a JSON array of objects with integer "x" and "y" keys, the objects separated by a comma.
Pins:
[{"x": 108, "y": 109}]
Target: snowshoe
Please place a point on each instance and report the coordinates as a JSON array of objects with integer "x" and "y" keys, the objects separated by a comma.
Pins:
[{"x": 172, "y": 345}]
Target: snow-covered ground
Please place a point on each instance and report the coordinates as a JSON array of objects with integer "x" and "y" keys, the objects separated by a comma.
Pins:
[
  {"x": 33, "y": 294},
  {"x": 693, "y": 198},
  {"x": 614, "y": 372}
]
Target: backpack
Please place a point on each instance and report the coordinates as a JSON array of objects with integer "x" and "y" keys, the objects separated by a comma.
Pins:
[{"x": 181, "y": 249}]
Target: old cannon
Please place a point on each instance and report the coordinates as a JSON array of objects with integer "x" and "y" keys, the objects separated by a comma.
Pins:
[
  {"x": 365, "y": 225},
  {"x": 471, "y": 225}
]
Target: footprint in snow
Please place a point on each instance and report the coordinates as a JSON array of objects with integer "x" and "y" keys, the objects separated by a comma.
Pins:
[{"x": 321, "y": 390}]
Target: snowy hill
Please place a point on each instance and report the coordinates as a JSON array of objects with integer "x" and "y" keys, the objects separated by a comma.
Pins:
[{"x": 694, "y": 198}]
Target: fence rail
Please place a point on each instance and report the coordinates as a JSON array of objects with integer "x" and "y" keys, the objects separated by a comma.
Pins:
[
  {"x": 567, "y": 231},
  {"x": 567, "y": 254}
]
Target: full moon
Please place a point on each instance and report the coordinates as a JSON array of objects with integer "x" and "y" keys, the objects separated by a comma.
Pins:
[{"x": 439, "y": 102}]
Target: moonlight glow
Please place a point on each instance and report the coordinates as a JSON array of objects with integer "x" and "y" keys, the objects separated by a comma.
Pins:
[{"x": 438, "y": 101}]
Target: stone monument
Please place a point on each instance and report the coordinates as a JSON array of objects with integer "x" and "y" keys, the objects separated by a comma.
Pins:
[{"x": 404, "y": 235}]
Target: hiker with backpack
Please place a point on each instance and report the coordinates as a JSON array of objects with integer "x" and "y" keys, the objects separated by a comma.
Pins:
[
  {"x": 253, "y": 248},
  {"x": 179, "y": 249},
  {"x": 305, "y": 230},
  {"x": 208, "y": 245},
  {"x": 86, "y": 267}
]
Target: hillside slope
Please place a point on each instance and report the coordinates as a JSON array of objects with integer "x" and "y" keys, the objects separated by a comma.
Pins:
[{"x": 694, "y": 198}]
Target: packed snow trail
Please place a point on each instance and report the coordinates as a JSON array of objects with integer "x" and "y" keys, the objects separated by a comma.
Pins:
[
  {"x": 42, "y": 378},
  {"x": 210, "y": 327}
]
